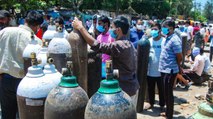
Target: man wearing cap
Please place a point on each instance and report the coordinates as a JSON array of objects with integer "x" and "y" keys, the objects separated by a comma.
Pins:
[
  {"x": 4, "y": 19},
  {"x": 136, "y": 33},
  {"x": 13, "y": 41}
]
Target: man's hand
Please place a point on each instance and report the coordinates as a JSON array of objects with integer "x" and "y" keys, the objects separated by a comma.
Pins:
[
  {"x": 180, "y": 70},
  {"x": 77, "y": 24}
]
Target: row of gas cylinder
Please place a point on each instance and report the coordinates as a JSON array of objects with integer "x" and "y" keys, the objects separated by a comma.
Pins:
[{"x": 44, "y": 93}]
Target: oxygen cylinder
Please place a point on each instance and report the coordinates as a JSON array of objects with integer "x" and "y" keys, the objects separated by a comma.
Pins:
[
  {"x": 184, "y": 44},
  {"x": 94, "y": 72},
  {"x": 32, "y": 92},
  {"x": 49, "y": 34},
  {"x": 33, "y": 46},
  {"x": 60, "y": 50},
  {"x": 68, "y": 100},
  {"x": 110, "y": 102},
  {"x": 42, "y": 55},
  {"x": 51, "y": 73},
  {"x": 79, "y": 58},
  {"x": 142, "y": 63}
]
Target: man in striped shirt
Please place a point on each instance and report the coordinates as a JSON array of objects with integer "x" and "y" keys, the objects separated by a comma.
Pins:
[{"x": 169, "y": 64}]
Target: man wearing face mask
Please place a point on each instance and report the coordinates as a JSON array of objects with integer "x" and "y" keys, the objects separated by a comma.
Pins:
[
  {"x": 104, "y": 37},
  {"x": 153, "y": 75},
  {"x": 4, "y": 19},
  {"x": 169, "y": 64},
  {"x": 122, "y": 52},
  {"x": 136, "y": 33},
  {"x": 92, "y": 30},
  {"x": 13, "y": 41}
]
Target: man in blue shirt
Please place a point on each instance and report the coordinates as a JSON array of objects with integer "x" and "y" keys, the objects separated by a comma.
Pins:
[
  {"x": 136, "y": 32},
  {"x": 169, "y": 65}
]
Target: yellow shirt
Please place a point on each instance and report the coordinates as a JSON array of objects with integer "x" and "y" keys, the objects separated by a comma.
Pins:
[{"x": 13, "y": 41}]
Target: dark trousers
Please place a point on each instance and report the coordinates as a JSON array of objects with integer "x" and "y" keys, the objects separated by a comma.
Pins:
[
  {"x": 151, "y": 81},
  {"x": 211, "y": 53},
  {"x": 8, "y": 88},
  {"x": 168, "y": 91},
  {"x": 192, "y": 76}
]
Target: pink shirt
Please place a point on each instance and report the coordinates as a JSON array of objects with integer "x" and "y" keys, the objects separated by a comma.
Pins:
[{"x": 105, "y": 38}]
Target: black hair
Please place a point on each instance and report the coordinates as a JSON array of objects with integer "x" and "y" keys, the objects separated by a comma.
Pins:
[
  {"x": 188, "y": 22},
  {"x": 104, "y": 19},
  {"x": 123, "y": 23},
  {"x": 34, "y": 18},
  {"x": 170, "y": 23},
  {"x": 157, "y": 25},
  {"x": 59, "y": 20}
]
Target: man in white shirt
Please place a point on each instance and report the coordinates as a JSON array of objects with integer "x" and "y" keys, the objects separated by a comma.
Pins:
[
  {"x": 197, "y": 68},
  {"x": 4, "y": 19},
  {"x": 13, "y": 41}
]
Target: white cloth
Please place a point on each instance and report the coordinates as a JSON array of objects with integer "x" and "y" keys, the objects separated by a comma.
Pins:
[
  {"x": 154, "y": 56},
  {"x": 189, "y": 31},
  {"x": 198, "y": 65},
  {"x": 207, "y": 65},
  {"x": 13, "y": 41},
  {"x": 202, "y": 31}
]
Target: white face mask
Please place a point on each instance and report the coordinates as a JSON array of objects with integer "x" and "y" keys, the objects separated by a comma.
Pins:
[{"x": 140, "y": 27}]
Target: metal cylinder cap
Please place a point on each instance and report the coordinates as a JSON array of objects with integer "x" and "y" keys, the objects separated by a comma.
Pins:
[{"x": 109, "y": 86}]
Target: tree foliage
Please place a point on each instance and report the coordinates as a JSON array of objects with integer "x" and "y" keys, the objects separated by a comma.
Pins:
[
  {"x": 208, "y": 10},
  {"x": 159, "y": 8}
]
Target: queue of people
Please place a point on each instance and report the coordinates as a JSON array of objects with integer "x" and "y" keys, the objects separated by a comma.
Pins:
[{"x": 112, "y": 40}]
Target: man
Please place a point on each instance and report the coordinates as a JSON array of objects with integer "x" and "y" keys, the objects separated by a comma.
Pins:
[
  {"x": 198, "y": 38},
  {"x": 189, "y": 31},
  {"x": 169, "y": 64},
  {"x": 4, "y": 19},
  {"x": 122, "y": 53},
  {"x": 104, "y": 37},
  {"x": 153, "y": 75},
  {"x": 13, "y": 41},
  {"x": 197, "y": 68},
  {"x": 136, "y": 33}
]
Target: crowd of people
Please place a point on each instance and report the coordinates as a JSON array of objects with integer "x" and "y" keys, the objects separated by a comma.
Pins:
[{"x": 117, "y": 40}]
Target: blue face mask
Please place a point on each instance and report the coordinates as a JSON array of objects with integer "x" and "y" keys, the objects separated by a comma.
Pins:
[
  {"x": 154, "y": 33},
  {"x": 100, "y": 28},
  {"x": 165, "y": 31},
  {"x": 112, "y": 34}
]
